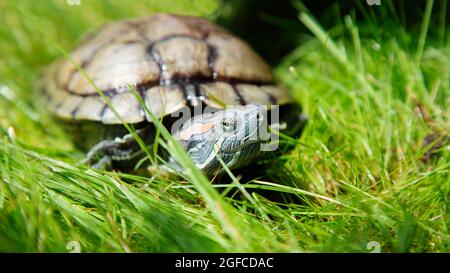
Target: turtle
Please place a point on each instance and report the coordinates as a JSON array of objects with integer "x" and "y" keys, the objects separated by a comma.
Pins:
[{"x": 168, "y": 64}]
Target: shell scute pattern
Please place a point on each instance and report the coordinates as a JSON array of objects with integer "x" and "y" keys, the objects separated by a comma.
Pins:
[{"x": 171, "y": 60}]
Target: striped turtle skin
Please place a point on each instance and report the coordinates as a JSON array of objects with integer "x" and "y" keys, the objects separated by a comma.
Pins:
[{"x": 172, "y": 62}]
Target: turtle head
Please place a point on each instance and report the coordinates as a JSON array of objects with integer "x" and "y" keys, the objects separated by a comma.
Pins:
[{"x": 233, "y": 134}]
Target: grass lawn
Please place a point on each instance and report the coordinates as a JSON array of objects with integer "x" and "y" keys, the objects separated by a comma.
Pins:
[{"x": 370, "y": 170}]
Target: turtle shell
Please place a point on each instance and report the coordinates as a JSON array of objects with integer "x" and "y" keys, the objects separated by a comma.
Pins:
[{"x": 172, "y": 61}]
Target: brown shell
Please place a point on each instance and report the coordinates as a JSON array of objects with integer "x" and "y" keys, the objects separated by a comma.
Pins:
[{"x": 170, "y": 60}]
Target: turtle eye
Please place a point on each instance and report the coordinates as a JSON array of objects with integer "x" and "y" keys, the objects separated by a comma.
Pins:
[{"x": 228, "y": 125}]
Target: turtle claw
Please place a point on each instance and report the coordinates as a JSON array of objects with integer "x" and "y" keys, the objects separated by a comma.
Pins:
[
  {"x": 98, "y": 157},
  {"x": 105, "y": 163},
  {"x": 108, "y": 154},
  {"x": 120, "y": 153}
]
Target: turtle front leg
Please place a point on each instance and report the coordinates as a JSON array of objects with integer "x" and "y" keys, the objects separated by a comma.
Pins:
[
  {"x": 118, "y": 153},
  {"x": 104, "y": 163}
]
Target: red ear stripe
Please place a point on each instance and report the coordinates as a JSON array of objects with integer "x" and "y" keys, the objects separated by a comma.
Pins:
[{"x": 196, "y": 129}]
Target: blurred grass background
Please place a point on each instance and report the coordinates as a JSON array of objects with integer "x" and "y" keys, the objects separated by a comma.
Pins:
[{"x": 372, "y": 164}]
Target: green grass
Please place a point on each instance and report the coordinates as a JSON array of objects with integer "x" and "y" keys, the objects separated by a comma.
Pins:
[{"x": 359, "y": 173}]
